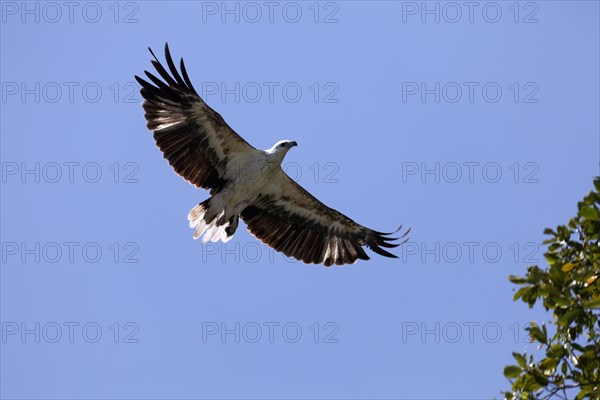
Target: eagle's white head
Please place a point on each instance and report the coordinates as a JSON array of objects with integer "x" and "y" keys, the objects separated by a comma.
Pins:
[{"x": 280, "y": 149}]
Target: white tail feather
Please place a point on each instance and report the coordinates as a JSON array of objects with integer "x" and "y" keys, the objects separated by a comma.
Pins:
[
  {"x": 218, "y": 233},
  {"x": 196, "y": 215},
  {"x": 209, "y": 231},
  {"x": 200, "y": 229}
]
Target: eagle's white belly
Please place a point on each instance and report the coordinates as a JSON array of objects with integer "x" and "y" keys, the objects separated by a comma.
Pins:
[{"x": 247, "y": 175}]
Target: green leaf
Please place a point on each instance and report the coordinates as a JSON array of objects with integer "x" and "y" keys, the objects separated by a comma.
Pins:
[
  {"x": 568, "y": 317},
  {"x": 536, "y": 333},
  {"x": 548, "y": 365},
  {"x": 589, "y": 213},
  {"x": 517, "y": 279},
  {"x": 556, "y": 351},
  {"x": 520, "y": 293},
  {"x": 551, "y": 258},
  {"x": 567, "y": 267},
  {"x": 520, "y": 359},
  {"x": 554, "y": 247},
  {"x": 512, "y": 371},
  {"x": 593, "y": 303},
  {"x": 563, "y": 301},
  {"x": 563, "y": 232},
  {"x": 597, "y": 184}
]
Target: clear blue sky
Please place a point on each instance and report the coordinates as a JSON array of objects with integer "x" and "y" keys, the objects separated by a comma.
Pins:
[{"x": 478, "y": 131}]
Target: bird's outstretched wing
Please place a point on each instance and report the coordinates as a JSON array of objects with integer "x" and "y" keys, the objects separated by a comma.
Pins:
[
  {"x": 289, "y": 219},
  {"x": 193, "y": 137}
]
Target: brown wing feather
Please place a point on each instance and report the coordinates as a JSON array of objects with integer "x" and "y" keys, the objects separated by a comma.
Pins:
[
  {"x": 194, "y": 138},
  {"x": 291, "y": 220}
]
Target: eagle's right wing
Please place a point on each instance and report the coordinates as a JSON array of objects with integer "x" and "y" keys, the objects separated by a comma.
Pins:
[
  {"x": 291, "y": 220},
  {"x": 193, "y": 137}
]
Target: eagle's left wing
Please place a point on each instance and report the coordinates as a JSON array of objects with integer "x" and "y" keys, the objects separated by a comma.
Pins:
[
  {"x": 289, "y": 219},
  {"x": 193, "y": 137}
]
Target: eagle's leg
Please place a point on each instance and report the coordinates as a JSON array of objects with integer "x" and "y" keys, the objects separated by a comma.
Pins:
[
  {"x": 233, "y": 224},
  {"x": 234, "y": 219}
]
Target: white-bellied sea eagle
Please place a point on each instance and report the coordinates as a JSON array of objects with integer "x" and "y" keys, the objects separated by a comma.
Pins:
[{"x": 244, "y": 181}]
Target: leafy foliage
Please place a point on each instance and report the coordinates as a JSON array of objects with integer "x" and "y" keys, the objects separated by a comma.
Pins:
[{"x": 570, "y": 287}]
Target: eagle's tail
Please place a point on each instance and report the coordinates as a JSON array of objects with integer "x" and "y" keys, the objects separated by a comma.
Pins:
[{"x": 210, "y": 221}]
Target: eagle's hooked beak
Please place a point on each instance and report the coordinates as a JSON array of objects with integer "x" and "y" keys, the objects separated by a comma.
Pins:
[{"x": 293, "y": 143}]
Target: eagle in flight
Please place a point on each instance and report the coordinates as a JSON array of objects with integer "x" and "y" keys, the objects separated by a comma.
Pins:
[{"x": 246, "y": 182}]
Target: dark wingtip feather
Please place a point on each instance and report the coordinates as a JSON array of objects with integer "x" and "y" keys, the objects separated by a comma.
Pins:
[
  {"x": 186, "y": 78},
  {"x": 140, "y": 80},
  {"x": 390, "y": 233},
  {"x": 151, "y": 52},
  {"x": 377, "y": 240},
  {"x": 382, "y": 252},
  {"x": 361, "y": 254},
  {"x": 172, "y": 67},
  {"x": 167, "y": 51}
]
